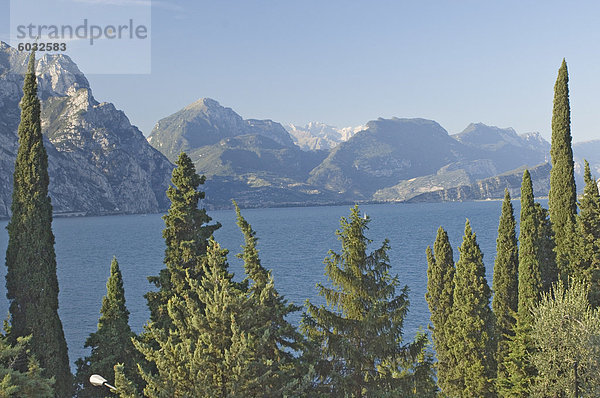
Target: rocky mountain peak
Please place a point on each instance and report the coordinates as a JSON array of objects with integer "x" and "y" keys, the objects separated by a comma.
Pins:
[
  {"x": 206, "y": 122},
  {"x": 57, "y": 74}
]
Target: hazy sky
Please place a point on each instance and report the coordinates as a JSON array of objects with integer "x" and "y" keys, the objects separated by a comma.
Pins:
[{"x": 348, "y": 62}]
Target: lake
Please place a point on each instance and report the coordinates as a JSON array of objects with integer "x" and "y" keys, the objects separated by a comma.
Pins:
[{"x": 293, "y": 243}]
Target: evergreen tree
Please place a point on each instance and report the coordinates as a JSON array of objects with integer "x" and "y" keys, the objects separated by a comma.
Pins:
[
  {"x": 440, "y": 295},
  {"x": 531, "y": 283},
  {"x": 111, "y": 343},
  {"x": 31, "y": 281},
  {"x": 562, "y": 200},
  {"x": 472, "y": 323},
  {"x": 588, "y": 231},
  {"x": 505, "y": 281},
  {"x": 360, "y": 335},
  {"x": 545, "y": 248},
  {"x": 204, "y": 325},
  {"x": 535, "y": 273},
  {"x": 16, "y": 384},
  {"x": 279, "y": 339},
  {"x": 186, "y": 236},
  {"x": 214, "y": 348}
]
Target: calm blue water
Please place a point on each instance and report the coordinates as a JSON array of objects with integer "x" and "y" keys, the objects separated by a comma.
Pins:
[{"x": 293, "y": 243}]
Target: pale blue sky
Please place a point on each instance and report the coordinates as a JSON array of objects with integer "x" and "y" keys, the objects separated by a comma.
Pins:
[{"x": 348, "y": 62}]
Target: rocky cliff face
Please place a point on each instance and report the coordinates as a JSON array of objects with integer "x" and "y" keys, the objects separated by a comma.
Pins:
[
  {"x": 98, "y": 162},
  {"x": 492, "y": 188}
]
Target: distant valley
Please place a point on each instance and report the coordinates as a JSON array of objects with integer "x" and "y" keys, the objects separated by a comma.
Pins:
[{"x": 101, "y": 164}]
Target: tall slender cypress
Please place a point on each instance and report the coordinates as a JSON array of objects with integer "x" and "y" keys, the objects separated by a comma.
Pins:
[
  {"x": 530, "y": 274},
  {"x": 440, "y": 295},
  {"x": 111, "y": 343},
  {"x": 518, "y": 374},
  {"x": 472, "y": 323},
  {"x": 562, "y": 199},
  {"x": 31, "y": 281},
  {"x": 505, "y": 281},
  {"x": 186, "y": 236},
  {"x": 588, "y": 231}
]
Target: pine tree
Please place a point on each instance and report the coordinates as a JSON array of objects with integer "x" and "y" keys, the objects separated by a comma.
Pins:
[
  {"x": 211, "y": 349},
  {"x": 111, "y": 343},
  {"x": 31, "y": 281},
  {"x": 17, "y": 384},
  {"x": 562, "y": 199},
  {"x": 186, "y": 236},
  {"x": 360, "y": 334},
  {"x": 472, "y": 323},
  {"x": 269, "y": 309},
  {"x": 505, "y": 281},
  {"x": 588, "y": 232},
  {"x": 440, "y": 295}
]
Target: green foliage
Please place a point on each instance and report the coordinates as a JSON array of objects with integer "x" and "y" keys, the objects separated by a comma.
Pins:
[
  {"x": 220, "y": 344},
  {"x": 279, "y": 339},
  {"x": 206, "y": 338},
  {"x": 15, "y": 383},
  {"x": 125, "y": 387},
  {"x": 562, "y": 199},
  {"x": 186, "y": 235},
  {"x": 31, "y": 282},
  {"x": 111, "y": 343},
  {"x": 545, "y": 248},
  {"x": 440, "y": 296},
  {"x": 588, "y": 231},
  {"x": 530, "y": 274},
  {"x": 472, "y": 325},
  {"x": 359, "y": 337},
  {"x": 518, "y": 373},
  {"x": 567, "y": 331},
  {"x": 505, "y": 281}
]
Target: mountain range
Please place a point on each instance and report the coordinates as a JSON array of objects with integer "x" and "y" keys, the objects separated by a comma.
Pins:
[{"x": 100, "y": 163}]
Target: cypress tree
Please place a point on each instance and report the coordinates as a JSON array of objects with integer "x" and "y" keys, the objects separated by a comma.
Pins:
[
  {"x": 562, "y": 199},
  {"x": 440, "y": 295},
  {"x": 186, "y": 236},
  {"x": 31, "y": 281},
  {"x": 588, "y": 231},
  {"x": 360, "y": 335},
  {"x": 111, "y": 343},
  {"x": 518, "y": 373},
  {"x": 505, "y": 281},
  {"x": 472, "y": 324},
  {"x": 545, "y": 248}
]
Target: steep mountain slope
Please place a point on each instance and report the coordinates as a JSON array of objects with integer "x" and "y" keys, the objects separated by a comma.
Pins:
[
  {"x": 206, "y": 122},
  {"x": 492, "y": 187},
  {"x": 98, "y": 162},
  {"x": 590, "y": 151},
  {"x": 505, "y": 147},
  {"x": 252, "y": 161},
  {"x": 386, "y": 152}
]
